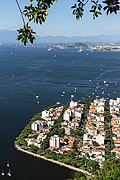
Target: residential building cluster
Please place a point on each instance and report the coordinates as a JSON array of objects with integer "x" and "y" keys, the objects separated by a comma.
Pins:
[
  {"x": 115, "y": 122},
  {"x": 72, "y": 117},
  {"x": 95, "y": 132},
  {"x": 93, "y": 144},
  {"x": 43, "y": 126},
  {"x": 61, "y": 144},
  {"x": 71, "y": 120},
  {"x": 104, "y": 47}
]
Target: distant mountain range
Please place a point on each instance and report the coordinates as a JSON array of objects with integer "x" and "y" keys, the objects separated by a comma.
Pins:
[{"x": 7, "y": 36}]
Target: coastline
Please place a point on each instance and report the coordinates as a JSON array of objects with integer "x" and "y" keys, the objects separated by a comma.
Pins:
[{"x": 54, "y": 161}]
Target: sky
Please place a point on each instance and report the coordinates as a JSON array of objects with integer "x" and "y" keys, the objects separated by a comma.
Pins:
[{"x": 60, "y": 20}]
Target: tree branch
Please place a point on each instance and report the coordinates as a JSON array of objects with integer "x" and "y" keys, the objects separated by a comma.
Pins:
[{"x": 20, "y": 12}]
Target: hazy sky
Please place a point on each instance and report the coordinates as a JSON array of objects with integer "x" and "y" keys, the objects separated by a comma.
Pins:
[{"x": 60, "y": 20}]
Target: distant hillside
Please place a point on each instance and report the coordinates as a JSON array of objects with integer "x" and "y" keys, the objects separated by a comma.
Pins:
[
  {"x": 7, "y": 36},
  {"x": 78, "y": 44}
]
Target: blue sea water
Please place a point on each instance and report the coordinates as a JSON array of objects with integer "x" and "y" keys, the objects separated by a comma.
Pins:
[{"x": 27, "y": 72}]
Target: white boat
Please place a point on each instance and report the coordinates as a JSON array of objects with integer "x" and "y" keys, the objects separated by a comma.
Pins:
[
  {"x": 2, "y": 173},
  {"x": 50, "y": 48},
  {"x": 37, "y": 97},
  {"x": 80, "y": 50},
  {"x": 58, "y": 103},
  {"x": 104, "y": 82},
  {"x": 38, "y": 102},
  {"x": 90, "y": 80},
  {"x": 9, "y": 174},
  {"x": 8, "y": 164}
]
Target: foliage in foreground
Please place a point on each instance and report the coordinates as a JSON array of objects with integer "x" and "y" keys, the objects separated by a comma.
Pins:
[{"x": 37, "y": 12}]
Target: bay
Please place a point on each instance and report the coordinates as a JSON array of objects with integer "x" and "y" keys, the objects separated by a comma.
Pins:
[{"x": 27, "y": 72}]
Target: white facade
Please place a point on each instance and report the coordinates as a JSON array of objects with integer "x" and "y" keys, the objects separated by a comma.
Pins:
[
  {"x": 45, "y": 114},
  {"x": 100, "y": 109},
  {"x": 68, "y": 130},
  {"x": 92, "y": 131},
  {"x": 118, "y": 100},
  {"x": 100, "y": 139},
  {"x": 73, "y": 104},
  {"x": 78, "y": 114},
  {"x": 100, "y": 118},
  {"x": 55, "y": 141},
  {"x": 37, "y": 125},
  {"x": 50, "y": 123},
  {"x": 67, "y": 115}
]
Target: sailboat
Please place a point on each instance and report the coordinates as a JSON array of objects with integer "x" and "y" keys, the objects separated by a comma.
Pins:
[
  {"x": 3, "y": 174},
  {"x": 8, "y": 164},
  {"x": 9, "y": 174}
]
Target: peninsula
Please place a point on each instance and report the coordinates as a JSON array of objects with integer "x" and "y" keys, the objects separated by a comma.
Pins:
[{"x": 79, "y": 135}]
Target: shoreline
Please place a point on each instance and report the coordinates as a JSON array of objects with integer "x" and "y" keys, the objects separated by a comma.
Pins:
[{"x": 54, "y": 161}]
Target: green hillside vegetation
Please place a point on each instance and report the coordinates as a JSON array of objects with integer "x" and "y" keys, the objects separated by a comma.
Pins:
[{"x": 78, "y": 44}]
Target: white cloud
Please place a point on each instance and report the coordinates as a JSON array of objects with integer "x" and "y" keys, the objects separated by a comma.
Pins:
[{"x": 7, "y": 27}]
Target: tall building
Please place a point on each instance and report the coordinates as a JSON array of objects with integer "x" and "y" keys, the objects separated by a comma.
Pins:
[
  {"x": 38, "y": 125},
  {"x": 55, "y": 141}
]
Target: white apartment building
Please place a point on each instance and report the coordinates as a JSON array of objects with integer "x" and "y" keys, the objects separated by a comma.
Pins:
[
  {"x": 38, "y": 125},
  {"x": 67, "y": 114},
  {"x": 73, "y": 104},
  {"x": 45, "y": 114},
  {"x": 54, "y": 141}
]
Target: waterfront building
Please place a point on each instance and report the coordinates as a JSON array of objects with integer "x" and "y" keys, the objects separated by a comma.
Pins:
[
  {"x": 73, "y": 104},
  {"x": 38, "y": 125},
  {"x": 45, "y": 114}
]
